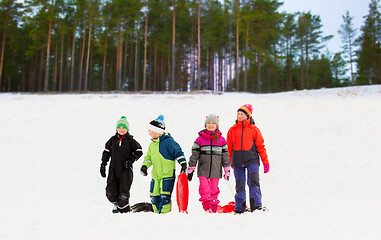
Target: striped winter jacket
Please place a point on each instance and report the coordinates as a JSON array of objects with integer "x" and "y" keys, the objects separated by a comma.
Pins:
[
  {"x": 210, "y": 155},
  {"x": 245, "y": 142}
]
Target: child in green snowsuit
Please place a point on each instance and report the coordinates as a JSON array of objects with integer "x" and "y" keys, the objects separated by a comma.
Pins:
[{"x": 162, "y": 153}]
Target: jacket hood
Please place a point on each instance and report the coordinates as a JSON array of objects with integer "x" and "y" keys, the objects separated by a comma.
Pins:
[{"x": 163, "y": 137}]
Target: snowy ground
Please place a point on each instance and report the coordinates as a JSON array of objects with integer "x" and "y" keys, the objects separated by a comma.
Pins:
[{"x": 323, "y": 145}]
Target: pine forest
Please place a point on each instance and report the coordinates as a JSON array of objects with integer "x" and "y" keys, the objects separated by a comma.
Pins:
[{"x": 180, "y": 46}]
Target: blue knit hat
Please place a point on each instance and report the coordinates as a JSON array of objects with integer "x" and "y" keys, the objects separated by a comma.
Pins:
[{"x": 157, "y": 125}]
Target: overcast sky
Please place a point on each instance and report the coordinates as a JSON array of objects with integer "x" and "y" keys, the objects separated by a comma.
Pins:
[{"x": 330, "y": 12}]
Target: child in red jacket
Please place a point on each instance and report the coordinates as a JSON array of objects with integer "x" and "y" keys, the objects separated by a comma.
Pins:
[{"x": 246, "y": 147}]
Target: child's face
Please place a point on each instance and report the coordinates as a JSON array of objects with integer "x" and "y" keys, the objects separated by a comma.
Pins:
[
  {"x": 241, "y": 116},
  {"x": 211, "y": 126},
  {"x": 122, "y": 130},
  {"x": 154, "y": 135}
]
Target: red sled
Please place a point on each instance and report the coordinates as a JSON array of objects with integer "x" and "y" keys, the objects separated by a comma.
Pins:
[
  {"x": 227, "y": 208},
  {"x": 182, "y": 192}
]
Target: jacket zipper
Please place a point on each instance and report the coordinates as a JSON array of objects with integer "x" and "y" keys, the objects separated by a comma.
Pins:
[
  {"x": 211, "y": 146},
  {"x": 242, "y": 143},
  {"x": 242, "y": 138}
]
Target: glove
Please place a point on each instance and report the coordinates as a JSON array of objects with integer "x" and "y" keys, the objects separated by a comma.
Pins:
[
  {"x": 128, "y": 163},
  {"x": 266, "y": 167},
  {"x": 190, "y": 173},
  {"x": 190, "y": 170},
  {"x": 103, "y": 170},
  {"x": 227, "y": 173},
  {"x": 190, "y": 176},
  {"x": 183, "y": 167},
  {"x": 143, "y": 170}
]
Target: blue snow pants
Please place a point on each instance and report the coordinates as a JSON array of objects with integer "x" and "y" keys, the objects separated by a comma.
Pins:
[{"x": 252, "y": 182}]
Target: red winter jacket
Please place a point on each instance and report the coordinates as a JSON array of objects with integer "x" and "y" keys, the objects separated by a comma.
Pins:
[{"x": 245, "y": 142}]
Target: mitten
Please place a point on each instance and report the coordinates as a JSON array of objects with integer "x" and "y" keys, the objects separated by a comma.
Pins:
[
  {"x": 143, "y": 170},
  {"x": 227, "y": 173},
  {"x": 183, "y": 167},
  {"x": 103, "y": 170},
  {"x": 266, "y": 167}
]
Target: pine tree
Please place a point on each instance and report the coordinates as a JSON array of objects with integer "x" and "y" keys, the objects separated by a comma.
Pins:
[
  {"x": 369, "y": 53},
  {"x": 310, "y": 40},
  {"x": 348, "y": 34},
  {"x": 9, "y": 12}
]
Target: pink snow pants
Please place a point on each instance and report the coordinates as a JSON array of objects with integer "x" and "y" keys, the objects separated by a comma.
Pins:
[{"x": 209, "y": 193}]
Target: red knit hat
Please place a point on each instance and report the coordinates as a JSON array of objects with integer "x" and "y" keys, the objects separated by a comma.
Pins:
[{"x": 247, "y": 109}]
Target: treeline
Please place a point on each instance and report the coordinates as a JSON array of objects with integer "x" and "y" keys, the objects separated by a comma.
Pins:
[{"x": 179, "y": 45}]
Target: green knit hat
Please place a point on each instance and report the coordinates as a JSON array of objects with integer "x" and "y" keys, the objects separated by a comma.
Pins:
[{"x": 122, "y": 122}]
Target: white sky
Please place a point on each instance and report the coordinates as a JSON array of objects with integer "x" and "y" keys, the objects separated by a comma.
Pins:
[{"x": 330, "y": 12}]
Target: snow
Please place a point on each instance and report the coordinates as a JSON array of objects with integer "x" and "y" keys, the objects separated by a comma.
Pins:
[{"x": 323, "y": 145}]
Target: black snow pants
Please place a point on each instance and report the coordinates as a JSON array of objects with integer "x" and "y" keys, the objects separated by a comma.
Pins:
[{"x": 118, "y": 188}]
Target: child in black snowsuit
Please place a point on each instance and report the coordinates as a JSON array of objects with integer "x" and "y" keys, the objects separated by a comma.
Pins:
[{"x": 124, "y": 150}]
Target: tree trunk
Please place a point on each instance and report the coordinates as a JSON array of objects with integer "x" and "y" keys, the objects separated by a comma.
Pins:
[
  {"x": 23, "y": 72},
  {"x": 32, "y": 74},
  {"x": 125, "y": 55},
  {"x": 145, "y": 51},
  {"x": 65, "y": 82},
  {"x": 119, "y": 58},
  {"x": 39, "y": 82},
  {"x": 350, "y": 58},
  {"x": 104, "y": 64},
  {"x": 237, "y": 43},
  {"x": 207, "y": 69},
  {"x": 155, "y": 70},
  {"x": 169, "y": 71},
  {"x": 88, "y": 58},
  {"x": 290, "y": 70},
  {"x": 3, "y": 47},
  {"x": 199, "y": 47},
  {"x": 230, "y": 54},
  {"x": 110, "y": 72},
  {"x": 192, "y": 56},
  {"x": 72, "y": 61},
  {"x": 260, "y": 87},
  {"x": 301, "y": 68},
  {"x": 247, "y": 48},
  {"x": 46, "y": 84},
  {"x": 81, "y": 60},
  {"x": 91, "y": 73},
  {"x": 136, "y": 63},
  {"x": 54, "y": 87},
  {"x": 307, "y": 63},
  {"x": 130, "y": 80},
  {"x": 61, "y": 63},
  {"x": 173, "y": 46}
]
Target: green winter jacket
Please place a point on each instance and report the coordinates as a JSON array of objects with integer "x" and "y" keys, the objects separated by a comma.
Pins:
[{"x": 162, "y": 155}]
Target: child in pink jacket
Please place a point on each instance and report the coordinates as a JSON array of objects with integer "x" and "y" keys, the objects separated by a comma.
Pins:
[{"x": 210, "y": 151}]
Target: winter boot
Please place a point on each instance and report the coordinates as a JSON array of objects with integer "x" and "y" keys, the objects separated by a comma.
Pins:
[
  {"x": 124, "y": 209},
  {"x": 123, "y": 204},
  {"x": 252, "y": 207},
  {"x": 214, "y": 205},
  {"x": 206, "y": 205},
  {"x": 115, "y": 208},
  {"x": 243, "y": 209}
]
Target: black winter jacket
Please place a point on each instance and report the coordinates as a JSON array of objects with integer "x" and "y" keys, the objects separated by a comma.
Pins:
[{"x": 123, "y": 150}]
